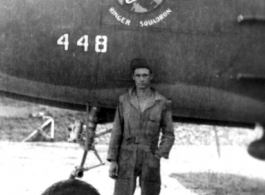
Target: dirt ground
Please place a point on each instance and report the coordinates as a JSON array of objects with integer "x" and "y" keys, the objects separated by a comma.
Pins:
[
  {"x": 193, "y": 168},
  {"x": 30, "y": 168}
]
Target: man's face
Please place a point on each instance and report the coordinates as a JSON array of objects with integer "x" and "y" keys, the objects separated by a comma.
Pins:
[{"x": 142, "y": 78}]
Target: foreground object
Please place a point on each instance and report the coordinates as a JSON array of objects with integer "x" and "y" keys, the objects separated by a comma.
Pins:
[{"x": 71, "y": 187}]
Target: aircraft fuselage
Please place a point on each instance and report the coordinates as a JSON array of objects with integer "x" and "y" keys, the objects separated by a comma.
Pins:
[{"x": 207, "y": 55}]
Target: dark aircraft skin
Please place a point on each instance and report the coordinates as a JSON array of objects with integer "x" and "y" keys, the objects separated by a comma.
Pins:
[{"x": 207, "y": 55}]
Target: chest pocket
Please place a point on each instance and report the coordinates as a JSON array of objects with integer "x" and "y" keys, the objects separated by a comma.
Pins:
[
  {"x": 153, "y": 124},
  {"x": 126, "y": 111},
  {"x": 131, "y": 120}
]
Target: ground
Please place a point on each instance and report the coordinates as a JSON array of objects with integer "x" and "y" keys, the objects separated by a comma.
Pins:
[{"x": 194, "y": 167}]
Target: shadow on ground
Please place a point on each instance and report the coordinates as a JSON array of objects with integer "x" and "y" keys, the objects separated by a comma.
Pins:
[{"x": 211, "y": 183}]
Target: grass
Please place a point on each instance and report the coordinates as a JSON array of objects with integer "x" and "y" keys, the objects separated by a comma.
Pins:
[{"x": 203, "y": 183}]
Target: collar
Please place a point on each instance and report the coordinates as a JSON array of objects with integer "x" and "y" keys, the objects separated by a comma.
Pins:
[{"x": 134, "y": 100}]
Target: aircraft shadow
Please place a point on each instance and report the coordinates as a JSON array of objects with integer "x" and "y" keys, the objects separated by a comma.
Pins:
[{"x": 211, "y": 183}]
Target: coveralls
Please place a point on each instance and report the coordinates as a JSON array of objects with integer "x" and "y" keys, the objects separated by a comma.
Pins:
[{"x": 134, "y": 142}]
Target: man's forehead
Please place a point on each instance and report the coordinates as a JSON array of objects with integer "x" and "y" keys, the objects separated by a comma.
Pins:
[{"x": 141, "y": 71}]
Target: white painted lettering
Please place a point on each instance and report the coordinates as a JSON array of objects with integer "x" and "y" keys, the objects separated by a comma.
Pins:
[
  {"x": 118, "y": 17},
  {"x": 156, "y": 20},
  {"x": 168, "y": 11},
  {"x": 123, "y": 20},
  {"x": 149, "y": 22},
  {"x": 128, "y": 22}
]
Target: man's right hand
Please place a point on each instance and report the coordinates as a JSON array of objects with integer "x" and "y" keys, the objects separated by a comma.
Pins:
[{"x": 113, "y": 170}]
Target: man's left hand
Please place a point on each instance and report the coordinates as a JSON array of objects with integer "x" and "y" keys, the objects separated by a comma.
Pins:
[{"x": 157, "y": 154}]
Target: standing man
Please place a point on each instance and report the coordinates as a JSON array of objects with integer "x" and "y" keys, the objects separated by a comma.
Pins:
[{"x": 134, "y": 148}]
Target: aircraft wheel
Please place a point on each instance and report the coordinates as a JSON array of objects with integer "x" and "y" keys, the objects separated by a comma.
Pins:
[{"x": 71, "y": 187}]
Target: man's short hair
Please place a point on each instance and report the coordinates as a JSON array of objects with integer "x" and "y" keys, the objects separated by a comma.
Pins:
[{"x": 140, "y": 63}]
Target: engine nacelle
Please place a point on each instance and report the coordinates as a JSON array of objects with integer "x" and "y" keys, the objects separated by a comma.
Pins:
[{"x": 257, "y": 148}]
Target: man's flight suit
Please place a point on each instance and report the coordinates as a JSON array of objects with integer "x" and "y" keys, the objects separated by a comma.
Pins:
[{"x": 134, "y": 142}]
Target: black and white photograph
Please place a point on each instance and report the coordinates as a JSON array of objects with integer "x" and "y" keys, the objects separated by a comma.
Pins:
[{"x": 132, "y": 97}]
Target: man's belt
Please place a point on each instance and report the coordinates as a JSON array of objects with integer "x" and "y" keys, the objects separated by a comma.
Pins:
[{"x": 132, "y": 140}]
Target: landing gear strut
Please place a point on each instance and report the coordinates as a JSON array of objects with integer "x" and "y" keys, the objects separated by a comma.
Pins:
[{"x": 73, "y": 186}]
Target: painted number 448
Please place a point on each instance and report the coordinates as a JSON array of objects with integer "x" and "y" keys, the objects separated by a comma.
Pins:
[{"x": 101, "y": 42}]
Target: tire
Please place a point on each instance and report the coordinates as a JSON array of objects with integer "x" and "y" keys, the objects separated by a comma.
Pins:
[{"x": 71, "y": 187}]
